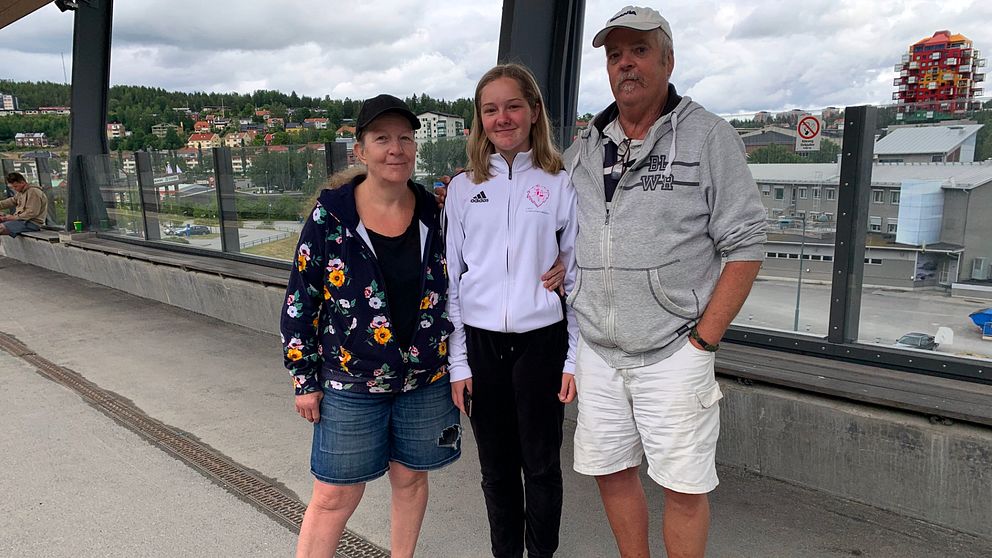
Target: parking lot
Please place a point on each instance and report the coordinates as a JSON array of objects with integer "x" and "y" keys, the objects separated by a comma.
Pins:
[{"x": 886, "y": 314}]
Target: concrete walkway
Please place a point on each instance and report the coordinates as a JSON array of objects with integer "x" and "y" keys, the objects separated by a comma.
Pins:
[{"x": 76, "y": 483}]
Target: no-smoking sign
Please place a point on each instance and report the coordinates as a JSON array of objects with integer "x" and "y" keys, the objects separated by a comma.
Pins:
[{"x": 808, "y": 134}]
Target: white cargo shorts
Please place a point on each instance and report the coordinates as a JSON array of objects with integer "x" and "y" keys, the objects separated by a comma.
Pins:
[{"x": 667, "y": 411}]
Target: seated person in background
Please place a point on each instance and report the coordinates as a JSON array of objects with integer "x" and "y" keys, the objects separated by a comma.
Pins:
[{"x": 30, "y": 207}]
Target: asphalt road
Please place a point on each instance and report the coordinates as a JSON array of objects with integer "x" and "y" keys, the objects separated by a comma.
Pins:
[{"x": 885, "y": 314}]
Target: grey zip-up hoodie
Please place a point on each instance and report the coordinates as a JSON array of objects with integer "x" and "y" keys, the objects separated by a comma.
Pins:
[{"x": 648, "y": 265}]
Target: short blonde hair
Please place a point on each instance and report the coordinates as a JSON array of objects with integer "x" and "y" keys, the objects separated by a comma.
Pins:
[{"x": 544, "y": 153}]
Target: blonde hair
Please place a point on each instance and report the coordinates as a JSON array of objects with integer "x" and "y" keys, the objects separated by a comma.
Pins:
[
  {"x": 544, "y": 153},
  {"x": 339, "y": 179}
]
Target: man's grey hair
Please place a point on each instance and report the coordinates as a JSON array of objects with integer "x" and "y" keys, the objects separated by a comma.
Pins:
[{"x": 665, "y": 43}]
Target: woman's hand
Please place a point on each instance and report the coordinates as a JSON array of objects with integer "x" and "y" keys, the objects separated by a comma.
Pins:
[
  {"x": 308, "y": 405},
  {"x": 567, "y": 393},
  {"x": 458, "y": 391},
  {"x": 554, "y": 278}
]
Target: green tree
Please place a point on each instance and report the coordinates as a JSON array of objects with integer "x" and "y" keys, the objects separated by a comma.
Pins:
[
  {"x": 443, "y": 156},
  {"x": 172, "y": 140},
  {"x": 773, "y": 154}
]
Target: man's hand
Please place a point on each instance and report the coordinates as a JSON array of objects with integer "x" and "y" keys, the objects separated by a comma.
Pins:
[
  {"x": 567, "y": 393},
  {"x": 554, "y": 278},
  {"x": 458, "y": 390},
  {"x": 441, "y": 192},
  {"x": 308, "y": 405}
]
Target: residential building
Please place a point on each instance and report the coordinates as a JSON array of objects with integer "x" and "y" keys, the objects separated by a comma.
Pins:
[
  {"x": 54, "y": 110},
  {"x": 203, "y": 141},
  {"x": 940, "y": 74},
  {"x": 294, "y": 128},
  {"x": 928, "y": 144},
  {"x": 928, "y": 223},
  {"x": 762, "y": 117},
  {"x": 239, "y": 139},
  {"x": 345, "y": 131},
  {"x": 30, "y": 139},
  {"x": 201, "y": 127},
  {"x": 439, "y": 125},
  {"x": 316, "y": 123},
  {"x": 219, "y": 124},
  {"x": 116, "y": 130},
  {"x": 8, "y": 102},
  {"x": 160, "y": 130},
  {"x": 275, "y": 122},
  {"x": 791, "y": 116}
]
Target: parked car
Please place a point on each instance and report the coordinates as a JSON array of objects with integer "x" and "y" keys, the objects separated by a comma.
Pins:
[
  {"x": 187, "y": 230},
  {"x": 917, "y": 341}
]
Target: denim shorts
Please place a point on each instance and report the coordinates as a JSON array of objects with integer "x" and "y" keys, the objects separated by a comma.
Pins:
[{"x": 360, "y": 433}]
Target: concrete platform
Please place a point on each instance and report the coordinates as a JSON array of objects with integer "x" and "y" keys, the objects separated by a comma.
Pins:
[{"x": 225, "y": 386}]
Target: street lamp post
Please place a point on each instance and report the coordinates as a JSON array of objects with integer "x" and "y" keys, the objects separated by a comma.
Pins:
[{"x": 799, "y": 283}]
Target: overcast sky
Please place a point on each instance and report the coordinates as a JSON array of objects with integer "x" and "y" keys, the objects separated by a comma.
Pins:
[{"x": 733, "y": 56}]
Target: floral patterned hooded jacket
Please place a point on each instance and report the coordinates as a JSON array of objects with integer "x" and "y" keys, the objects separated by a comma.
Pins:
[{"x": 335, "y": 323}]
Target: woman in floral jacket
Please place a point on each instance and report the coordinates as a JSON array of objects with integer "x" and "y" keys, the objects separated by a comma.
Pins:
[{"x": 365, "y": 336}]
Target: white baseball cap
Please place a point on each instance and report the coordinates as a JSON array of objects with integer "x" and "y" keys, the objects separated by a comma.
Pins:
[{"x": 633, "y": 17}]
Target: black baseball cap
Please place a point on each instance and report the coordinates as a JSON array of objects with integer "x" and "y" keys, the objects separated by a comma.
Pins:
[{"x": 381, "y": 104}]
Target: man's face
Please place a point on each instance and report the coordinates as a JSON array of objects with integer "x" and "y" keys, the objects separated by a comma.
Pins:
[
  {"x": 19, "y": 186},
  {"x": 639, "y": 70}
]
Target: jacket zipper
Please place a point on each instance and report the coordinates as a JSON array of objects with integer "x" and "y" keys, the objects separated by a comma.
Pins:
[{"x": 509, "y": 244}]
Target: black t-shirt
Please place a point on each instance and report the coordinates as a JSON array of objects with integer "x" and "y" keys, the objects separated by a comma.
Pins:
[{"x": 399, "y": 260}]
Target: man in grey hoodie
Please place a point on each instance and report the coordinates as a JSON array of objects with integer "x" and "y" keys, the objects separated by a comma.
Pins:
[{"x": 671, "y": 237}]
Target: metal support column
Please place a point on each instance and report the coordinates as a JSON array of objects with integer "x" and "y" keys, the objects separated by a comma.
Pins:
[
  {"x": 227, "y": 211},
  {"x": 335, "y": 157},
  {"x": 547, "y": 38},
  {"x": 88, "y": 121},
  {"x": 148, "y": 195},
  {"x": 45, "y": 183},
  {"x": 852, "y": 223}
]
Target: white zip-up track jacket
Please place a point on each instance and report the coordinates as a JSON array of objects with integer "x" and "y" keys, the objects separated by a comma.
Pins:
[{"x": 502, "y": 235}]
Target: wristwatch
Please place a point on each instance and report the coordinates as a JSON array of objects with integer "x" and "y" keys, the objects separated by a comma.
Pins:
[{"x": 694, "y": 335}]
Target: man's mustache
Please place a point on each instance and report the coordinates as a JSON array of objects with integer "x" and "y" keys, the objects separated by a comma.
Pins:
[{"x": 629, "y": 76}]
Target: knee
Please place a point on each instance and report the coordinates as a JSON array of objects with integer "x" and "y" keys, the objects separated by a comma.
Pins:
[
  {"x": 403, "y": 478},
  {"x": 332, "y": 498},
  {"x": 686, "y": 504},
  {"x": 619, "y": 479}
]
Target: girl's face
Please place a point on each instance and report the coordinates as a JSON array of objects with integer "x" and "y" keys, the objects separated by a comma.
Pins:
[{"x": 506, "y": 117}]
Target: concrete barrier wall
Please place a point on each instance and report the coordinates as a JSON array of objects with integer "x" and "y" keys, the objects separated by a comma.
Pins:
[
  {"x": 246, "y": 303},
  {"x": 883, "y": 457},
  {"x": 886, "y": 458}
]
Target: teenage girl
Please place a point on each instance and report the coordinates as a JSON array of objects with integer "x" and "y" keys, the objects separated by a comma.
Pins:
[{"x": 512, "y": 348}]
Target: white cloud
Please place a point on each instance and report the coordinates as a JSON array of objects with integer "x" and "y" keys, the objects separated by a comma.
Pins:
[{"x": 731, "y": 56}]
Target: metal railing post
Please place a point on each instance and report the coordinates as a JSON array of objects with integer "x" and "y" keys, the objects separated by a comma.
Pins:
[
  {"x": 148, "y": 195},
  {"x": 227, "y": 211},
  {"x": 852, "y": 223}
]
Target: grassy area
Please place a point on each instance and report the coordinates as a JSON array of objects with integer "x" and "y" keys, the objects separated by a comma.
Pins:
[{"x": 282, "y": 249}]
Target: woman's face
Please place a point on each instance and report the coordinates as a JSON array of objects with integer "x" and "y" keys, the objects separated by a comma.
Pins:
[
  {"x": 506, "y": 116},
  {"x": 388, "y": 149}
]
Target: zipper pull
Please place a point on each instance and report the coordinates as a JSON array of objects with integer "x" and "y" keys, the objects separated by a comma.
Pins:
[{"x": 607, "y": 216}]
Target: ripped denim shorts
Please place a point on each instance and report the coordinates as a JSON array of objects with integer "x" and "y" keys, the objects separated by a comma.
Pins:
[{"x": 359, "y": 434}]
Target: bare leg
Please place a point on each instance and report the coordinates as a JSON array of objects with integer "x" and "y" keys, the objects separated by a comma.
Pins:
[
  {"x": 329, "y": 510},
  {"x": 410, "y": 491},
  {"x": 627, "y": 510},
  {"x": 686, "y": 524}
]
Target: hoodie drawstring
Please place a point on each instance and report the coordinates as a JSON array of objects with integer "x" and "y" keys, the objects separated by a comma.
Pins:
[{"x": 671, "y": 150}]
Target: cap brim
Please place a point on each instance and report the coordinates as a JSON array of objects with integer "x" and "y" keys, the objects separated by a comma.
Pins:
[
  {"x": 600, "y": 38},
  {"x": 411, "y": 118}
]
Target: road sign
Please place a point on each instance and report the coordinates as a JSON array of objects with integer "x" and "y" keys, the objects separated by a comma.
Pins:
[{"x": 808, "y": 133}]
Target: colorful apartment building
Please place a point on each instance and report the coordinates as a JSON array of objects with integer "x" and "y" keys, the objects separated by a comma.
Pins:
[{"x": 939, "y": 74}]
